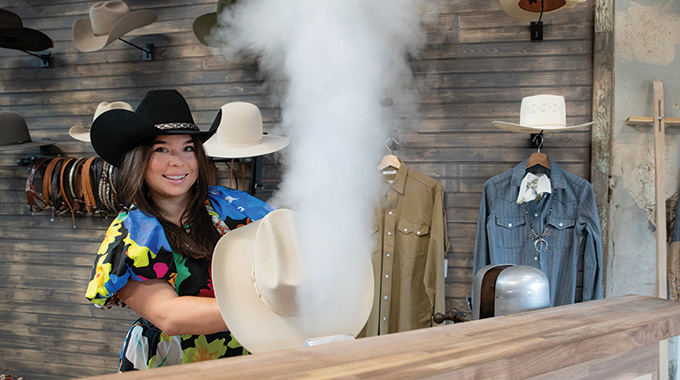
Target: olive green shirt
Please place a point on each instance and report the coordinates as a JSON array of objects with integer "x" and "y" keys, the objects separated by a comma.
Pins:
[{"x": 408, "y": 262}]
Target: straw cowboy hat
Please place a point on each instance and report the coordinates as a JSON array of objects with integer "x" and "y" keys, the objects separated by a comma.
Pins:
[
  {"x": 239, "y": 133},
  {"x": 109, "y": 20},
  {"x": 13, "y": 35},
  {"x": 161, "y": 112},
  {"x": 82, "y": 133},
  {"x": 258, "y": 276},
  {"x": 545, "y": 113},
  {"x": 531, "y": 9},
  {"x": 206, "y": 24},
  {"x": 15, "y": 133}
]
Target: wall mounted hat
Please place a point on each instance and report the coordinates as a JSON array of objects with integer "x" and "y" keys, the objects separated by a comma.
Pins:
[
  {"x": 258, "y": 273},
  {"x": 239, "y": 133},
  {"x": 161, "y": 112},
  {"x": 206, "y": 24},
  {"x": 15, "y": 134},
  {"x": 530, "y": 9},
  {"x": 82, "y": 133},
  {"x": 109, "y": 20},
  {"x": 541, "y": 113},
  {"x": 13, "y": 35}
]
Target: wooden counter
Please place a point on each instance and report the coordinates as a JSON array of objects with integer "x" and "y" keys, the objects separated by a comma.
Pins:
[{"x": 611, "y": 338}]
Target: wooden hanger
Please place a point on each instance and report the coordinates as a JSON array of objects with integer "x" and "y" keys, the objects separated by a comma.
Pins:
[
  {"x": 390, "y": 160},
  {"x": 539, "y": 158}
]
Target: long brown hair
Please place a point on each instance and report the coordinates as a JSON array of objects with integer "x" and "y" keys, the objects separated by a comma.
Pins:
[{"x": 202, "y": 236}]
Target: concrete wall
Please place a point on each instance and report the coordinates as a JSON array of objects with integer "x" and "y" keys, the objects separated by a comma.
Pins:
[{"x": 647, "y": 45}]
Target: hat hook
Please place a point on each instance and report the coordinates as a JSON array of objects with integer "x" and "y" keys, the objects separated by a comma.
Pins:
[
  {"x": 537, "y": 140},
  {"x": 387, "y": 143},
  {"x": 147, "y": 55}
]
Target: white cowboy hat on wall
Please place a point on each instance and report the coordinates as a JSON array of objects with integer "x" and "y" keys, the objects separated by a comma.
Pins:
[
  {"x": 239, "y": 133},
  {"x": 109, "y": 20},
  {"x": 541, "y": 113},
  {"x": 82, "y": 133}
]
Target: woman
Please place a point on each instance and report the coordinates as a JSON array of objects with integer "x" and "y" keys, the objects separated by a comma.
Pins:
[{"x": 156, "y": 256}]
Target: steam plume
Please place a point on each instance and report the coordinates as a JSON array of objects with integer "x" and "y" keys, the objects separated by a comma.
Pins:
[{"x": 344, "y": 68}]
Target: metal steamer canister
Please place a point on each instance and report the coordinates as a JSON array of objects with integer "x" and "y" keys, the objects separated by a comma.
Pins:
[{"x": 507, "y": 289}]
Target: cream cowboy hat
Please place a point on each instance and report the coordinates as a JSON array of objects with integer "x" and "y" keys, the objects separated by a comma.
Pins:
[
  {"x": 258, "y": 275},
  {"x": 530, "y": 9},
  {"x": 109, "y": 20},
  {"x": 239, "y": 133},
  {"x": 545, "y": 113},
  {"x": 206, "y": 24},
  {"x": 14, "y": 133},
  {"x": 82, "y": 133}
]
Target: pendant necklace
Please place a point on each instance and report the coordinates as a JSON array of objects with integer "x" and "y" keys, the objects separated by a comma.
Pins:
[{"x": 540, "y": 244}]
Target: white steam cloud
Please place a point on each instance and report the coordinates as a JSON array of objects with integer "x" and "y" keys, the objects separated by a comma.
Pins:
[{"x": 344, "y": 69}]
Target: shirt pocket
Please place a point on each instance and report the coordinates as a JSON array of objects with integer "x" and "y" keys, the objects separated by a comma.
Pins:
[
  {"x": 511, "y": 231},
  {"x": 412, "y": 239},
  {"x": 562, "y": 233}
]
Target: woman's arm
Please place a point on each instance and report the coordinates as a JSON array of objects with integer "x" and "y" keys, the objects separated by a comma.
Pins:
[{"x": 157, "y": 302}]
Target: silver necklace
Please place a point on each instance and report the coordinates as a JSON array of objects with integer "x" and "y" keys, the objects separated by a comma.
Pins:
[{"x": 540, "y": 242}]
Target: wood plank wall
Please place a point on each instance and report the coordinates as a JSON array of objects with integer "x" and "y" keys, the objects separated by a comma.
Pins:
[{"x": 476, "y": 67}]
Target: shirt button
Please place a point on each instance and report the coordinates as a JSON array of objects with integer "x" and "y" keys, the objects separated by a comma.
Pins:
[
  {"x": 535, "y": 257},
  {"x": 561, "y": 224},
  {"x": 384, "y": 318},
  {"x": 385, "y": 297},
  {"x": 387, "y": 276},
  {"x": 536, "y": 215},
  {"x": 418, "y": 233},
  {"x": 405, "y": 229},
  {"x": 389, "y": 233},
  {"x": 389, "y": 212},
  {"x": 509, "y": 224},
  {"x": 388, "y": 255}
]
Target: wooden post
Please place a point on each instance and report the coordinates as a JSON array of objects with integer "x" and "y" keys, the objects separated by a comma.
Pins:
[{"x": 660, "y": 189}]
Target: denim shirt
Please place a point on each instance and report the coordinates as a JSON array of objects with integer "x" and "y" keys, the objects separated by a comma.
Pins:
[{"x": 572, "y": 260}]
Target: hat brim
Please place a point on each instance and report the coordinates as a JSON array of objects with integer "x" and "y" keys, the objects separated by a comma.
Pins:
[
  {"x": 512, "y": 8},
  {"x": 116, "y": 131},
  {"x": 203, "y": 27},
  {"x": 269, "y": 144},
  {"x": 27, "y": 145},
  {"x": 80, "y": 133},
  {"x": 512, "y": 127},
  {"x": 86, "y": 41},
  {"x": 257, "y": 327},
  {"x": 24, "y": 39}
]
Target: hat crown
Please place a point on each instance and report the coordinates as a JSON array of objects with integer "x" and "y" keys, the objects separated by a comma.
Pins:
[
  {"x": 106, "y": 106},
  {"x": 105, "y": 14},
  {"x": 240, "y": 125},
  {"x": 278, "y": 272},
  {"x": 14, "y": 129},
  {"x": 165, "y": 107},
  {"x": 543, "y": 111},
  {"x": 9, "y": 20}
]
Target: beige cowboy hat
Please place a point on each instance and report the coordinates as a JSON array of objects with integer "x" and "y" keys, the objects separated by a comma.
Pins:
[
  {"x": 239, "y": 133},
  {"x": 530, "y": 9},
  {"x": 82, "y": 133},
  {"x": 205, "y": 25},
  {"x": 259, "y": 275},
  {"x": 109, "y": 20},
  {"x": 543, "y": 112},
  {"x": 14, "y": 133}
]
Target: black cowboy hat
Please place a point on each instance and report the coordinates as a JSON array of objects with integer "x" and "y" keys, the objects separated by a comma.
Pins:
[
  {"x": 161, "y": 112},
  {"x": 13, "y": 35}
]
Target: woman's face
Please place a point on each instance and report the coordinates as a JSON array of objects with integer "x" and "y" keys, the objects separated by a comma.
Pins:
[{"x": 172, "y": 169}]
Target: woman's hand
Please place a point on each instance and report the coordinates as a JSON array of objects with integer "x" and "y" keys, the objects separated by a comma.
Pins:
[{"x": 157, "y": 302}]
